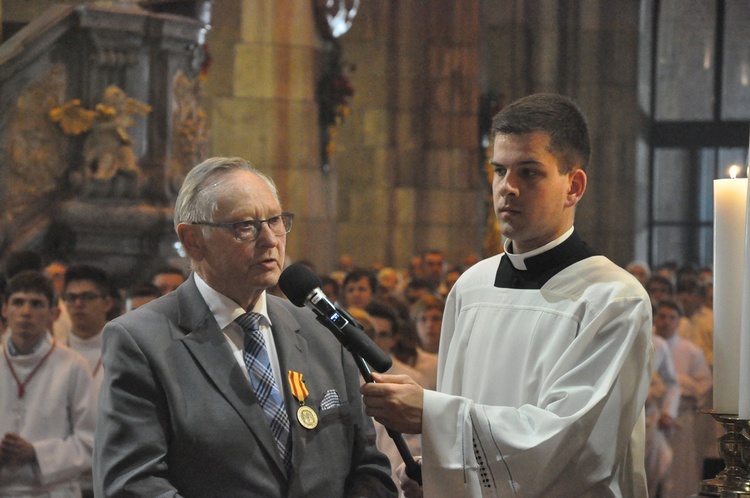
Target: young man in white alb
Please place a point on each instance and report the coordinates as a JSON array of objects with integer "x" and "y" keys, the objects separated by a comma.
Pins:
[
  {"x": 544, "y": 359},
  {"x": 47, "y": 411}
]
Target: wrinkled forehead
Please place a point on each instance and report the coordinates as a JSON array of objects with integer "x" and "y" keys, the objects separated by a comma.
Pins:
[{"x": 241, "y": 189}]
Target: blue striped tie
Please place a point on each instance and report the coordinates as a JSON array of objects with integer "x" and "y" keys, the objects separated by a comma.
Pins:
[{"x": 266, "y": 390}]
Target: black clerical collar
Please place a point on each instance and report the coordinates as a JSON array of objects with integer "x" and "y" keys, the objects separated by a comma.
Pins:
[{"x": 544, "y": 266}]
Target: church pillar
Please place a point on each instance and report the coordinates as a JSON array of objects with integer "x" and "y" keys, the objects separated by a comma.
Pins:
[
  {"x": 263, "y": 108},
  {"x": 409, "y": 167}
]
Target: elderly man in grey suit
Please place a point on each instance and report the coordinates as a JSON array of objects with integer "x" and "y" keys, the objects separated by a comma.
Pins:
[{"x": 221, "y": 390}]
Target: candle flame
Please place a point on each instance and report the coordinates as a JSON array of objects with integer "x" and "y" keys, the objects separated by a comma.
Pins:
[{"x": 734, "y": 170}]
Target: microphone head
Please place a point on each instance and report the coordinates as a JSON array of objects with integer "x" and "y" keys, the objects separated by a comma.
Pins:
[{"x": 297, "y": 282}]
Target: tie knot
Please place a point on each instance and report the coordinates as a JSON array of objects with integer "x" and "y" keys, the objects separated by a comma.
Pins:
[{"x": 249, "y": 321}]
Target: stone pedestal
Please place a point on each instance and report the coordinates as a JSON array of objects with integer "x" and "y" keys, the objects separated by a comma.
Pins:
[{"x": 128, "y": 240}]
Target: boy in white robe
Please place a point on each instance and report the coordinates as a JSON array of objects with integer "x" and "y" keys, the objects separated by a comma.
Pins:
[
  {"x": 695, "y": 380},
  {"x": 86, "y": 293},
  {"x": 662, "y": 409},
  {"x": 46, "y": 408},
  {"x": 544, "y": 360}
]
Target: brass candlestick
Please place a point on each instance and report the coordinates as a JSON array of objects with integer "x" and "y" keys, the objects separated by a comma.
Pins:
[{"x": 734, "y": 449}]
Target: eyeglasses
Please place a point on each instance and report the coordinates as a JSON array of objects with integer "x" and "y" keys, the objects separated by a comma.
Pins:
[
  {"x": 249, "y": 230},
  {"x": 85, "y": 297}
]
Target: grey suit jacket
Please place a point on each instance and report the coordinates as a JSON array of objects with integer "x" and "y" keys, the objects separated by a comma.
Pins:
[{"x": 178, "y": 416}]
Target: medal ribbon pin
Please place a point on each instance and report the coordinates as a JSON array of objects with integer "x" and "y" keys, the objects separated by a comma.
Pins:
[{"x": 305, "y": 415}]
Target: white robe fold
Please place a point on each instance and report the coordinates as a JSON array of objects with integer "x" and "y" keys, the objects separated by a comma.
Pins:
[
  {"x": 56, "y": 414},
  {"x": 540, "y": 392}
]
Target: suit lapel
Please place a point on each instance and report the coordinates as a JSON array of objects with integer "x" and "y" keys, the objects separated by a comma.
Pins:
[
  {"x": 213, "y": 355},
  {"x": 292, "y": 350}
]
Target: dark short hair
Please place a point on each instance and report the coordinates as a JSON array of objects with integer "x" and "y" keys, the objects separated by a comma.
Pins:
[
  {"x": 379, "y": 309},
  {"x": 424, "y": 303},
  {"x": 658, "y": 279},
  {"x": 671, "y": 304},
  {"x": 358, "y": 273},
  {"x": 91, "y": 273},
  {"x": 167, "y": 270},
  {"x": 31, "y": 281},
  {"x": 421, "y": 283},
  {"x": 691, "y": 285},
  {"x": 144, "y": 290},
  {"x": 326, "y": 280},
  {"x": 554, "y": 115}
]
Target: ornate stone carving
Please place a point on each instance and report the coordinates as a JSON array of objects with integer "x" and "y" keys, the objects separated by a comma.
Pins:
[
  {"x": 109, "y": 161},
  {"x": 190, "y": 131},
  {"x": 35, "y": 157}
]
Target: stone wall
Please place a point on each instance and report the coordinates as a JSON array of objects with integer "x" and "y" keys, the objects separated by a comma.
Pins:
[
  {"x": 405, "y": 174},
  {"x": 407, "y": 170},
  {"x": 261, "y": 96},
  {"x": 410, "y": 153}
]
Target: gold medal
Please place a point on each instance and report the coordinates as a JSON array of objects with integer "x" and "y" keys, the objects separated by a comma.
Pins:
[{"x": 307, "y": 417}]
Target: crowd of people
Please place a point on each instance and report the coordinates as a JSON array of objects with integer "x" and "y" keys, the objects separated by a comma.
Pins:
[
  {"x": 681, "y": 447},
  {"x": 400, "y": 309},
  {"x": 51, "y": 329},
  {"x": 525, "y": 374}
]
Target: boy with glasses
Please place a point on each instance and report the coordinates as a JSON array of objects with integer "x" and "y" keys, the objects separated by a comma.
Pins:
[{"x": 86, "y": 294}]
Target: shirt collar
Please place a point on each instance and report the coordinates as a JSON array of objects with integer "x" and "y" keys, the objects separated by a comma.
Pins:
[
  {"x": 90, "y": 342},
  {"x": 225, "y": 310},
  {"x": 519, "y": 260},
  {"x": 13, "y": 350}
]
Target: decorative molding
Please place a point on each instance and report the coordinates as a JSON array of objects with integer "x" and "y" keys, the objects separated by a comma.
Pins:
[
  {"x": 190, "y": 131},
  {"x": 35, "y": 156}
]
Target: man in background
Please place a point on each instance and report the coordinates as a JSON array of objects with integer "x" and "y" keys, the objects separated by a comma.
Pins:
[
  {"x": 167, "y": 279},
  {"x": 86, "y": 294},
  {"x": 55, "y": 272},
  {"x": 694, "y": 376}
]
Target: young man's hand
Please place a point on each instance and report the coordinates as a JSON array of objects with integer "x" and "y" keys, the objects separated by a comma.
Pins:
[{"x": 14, "y": 448}]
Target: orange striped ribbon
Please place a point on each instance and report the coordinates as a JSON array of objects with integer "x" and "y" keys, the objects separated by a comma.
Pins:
[{"x": 298, "y": 386}]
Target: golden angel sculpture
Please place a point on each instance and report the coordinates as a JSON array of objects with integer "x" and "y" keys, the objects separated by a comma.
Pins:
[{"x": 110, "y": 166}]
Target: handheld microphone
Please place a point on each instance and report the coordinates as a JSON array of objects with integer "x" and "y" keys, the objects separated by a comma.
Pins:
[{"x": 302, "y": 287}]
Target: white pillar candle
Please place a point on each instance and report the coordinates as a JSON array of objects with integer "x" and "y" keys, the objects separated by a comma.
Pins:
[
  {"x": 744, "y": 395},
  {"x": 730, "y": 205}
]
